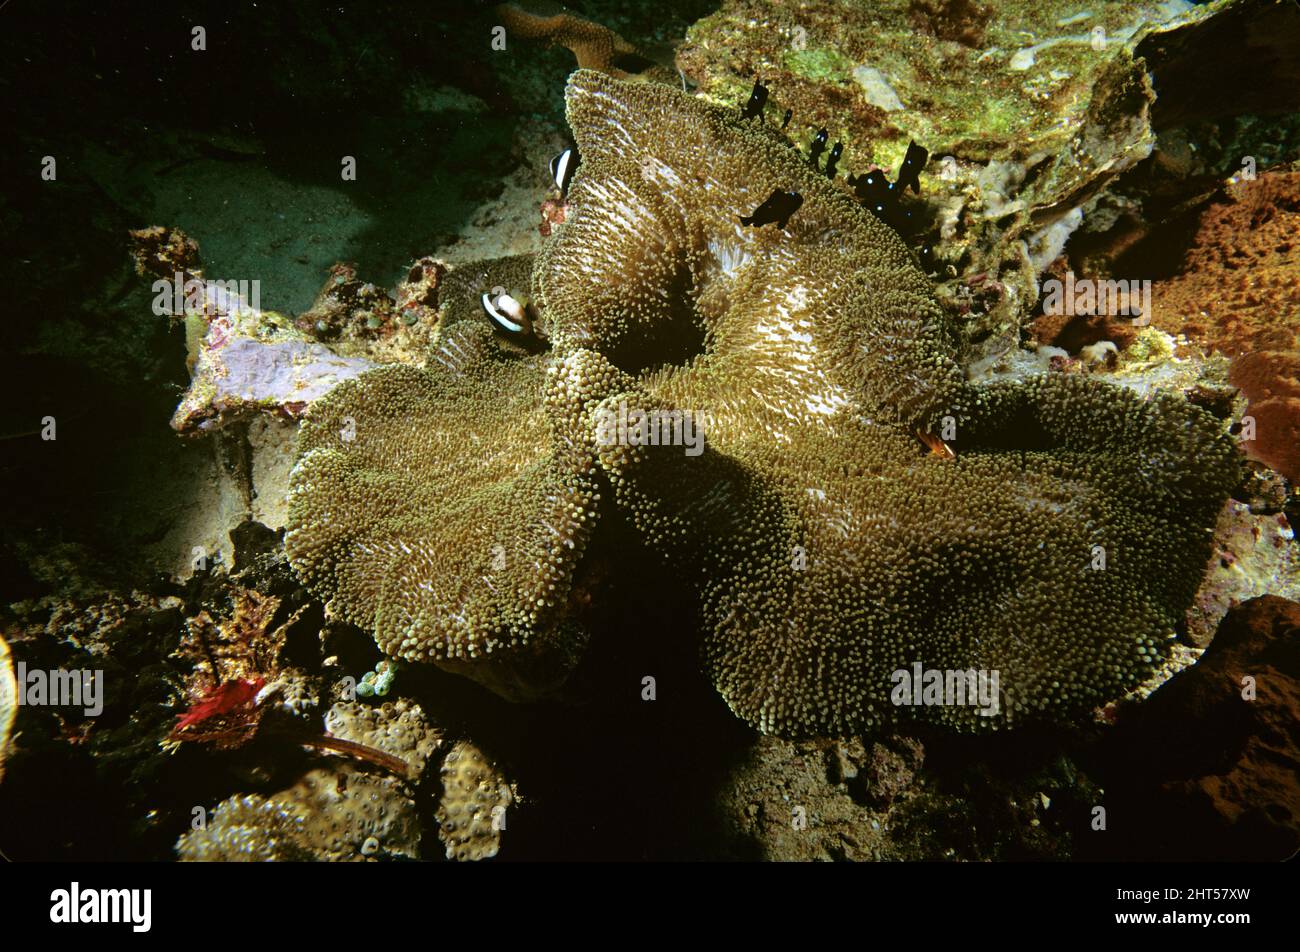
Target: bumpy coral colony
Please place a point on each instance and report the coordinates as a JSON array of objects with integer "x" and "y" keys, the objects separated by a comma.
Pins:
[{"x": 859, "y": 508}]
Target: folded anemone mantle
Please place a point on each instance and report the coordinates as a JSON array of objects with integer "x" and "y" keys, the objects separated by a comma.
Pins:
[{"x": 826, "y": 547}]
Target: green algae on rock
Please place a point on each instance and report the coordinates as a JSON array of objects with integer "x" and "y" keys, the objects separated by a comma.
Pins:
[
  {"x": 826, "y": 549},
  {"x": 983, "y": 84},
  {"x": 1029, "y": 110}
]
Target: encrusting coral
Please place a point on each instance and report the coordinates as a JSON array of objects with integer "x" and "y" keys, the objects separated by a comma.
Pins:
[
  {"x": 396, "y": 727},
  {"x": 334, "y": 813},
  {"x": 337, "y": 814},
  {"x": 1239, "y": 292},
  {"x": 475, "y": 798},
  {"x": 859, "y": 507}
]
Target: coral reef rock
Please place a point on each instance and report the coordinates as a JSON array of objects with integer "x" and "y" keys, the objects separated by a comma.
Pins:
[
  {"x": 396, "y": 727},
  {"x": 1030, "y": 113},
  {"x": 335, "y": 813},
  {"x": 1207, "y": 768},
  {"x": 475, "y": 799},
  {"x": 1239, "y": 293},
  {"x": 331, "y": 815}
]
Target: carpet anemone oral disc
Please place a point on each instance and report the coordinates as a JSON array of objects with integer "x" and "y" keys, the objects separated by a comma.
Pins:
[{"x": 840, "y": 502}]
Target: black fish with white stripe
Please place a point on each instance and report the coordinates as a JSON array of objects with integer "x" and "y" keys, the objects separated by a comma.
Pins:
[
  {"x": 507, "y": 315},
  {"x": 562, "y": 168}
]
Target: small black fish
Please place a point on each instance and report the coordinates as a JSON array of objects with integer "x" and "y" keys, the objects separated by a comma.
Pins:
[
  {"x": 778, "y": 208},
  {"x": 909, "y": 173},
  {"x": 884, "y": 199},
  {"x": 562, "y": 167},
  {"x": 872, "y": 189},
  {"x": 902, "y": 220},
  {"x": 836, "y": 151},
  {"x": 818, "y": 147},
  {"x": 785, "y": 120},
  {"x": 926, "y": 256},
  {"x": 757, "y": 100}
]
